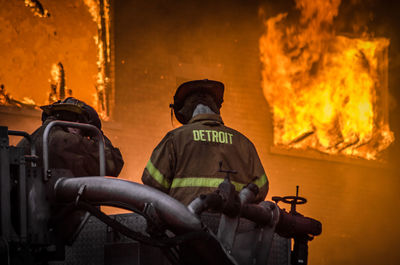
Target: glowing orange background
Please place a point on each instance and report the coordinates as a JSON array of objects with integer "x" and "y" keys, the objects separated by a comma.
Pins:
[
  {"x": 30, "y": 45},
  {"x": 160, "y": 44}
]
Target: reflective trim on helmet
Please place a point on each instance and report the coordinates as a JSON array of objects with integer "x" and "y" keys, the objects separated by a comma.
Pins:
[{"x": 156, "y": 174}]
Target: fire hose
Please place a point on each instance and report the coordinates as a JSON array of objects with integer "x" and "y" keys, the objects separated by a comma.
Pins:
[
  {"x": 83, "y": 193},
  {"x": 100, "y": 190}
]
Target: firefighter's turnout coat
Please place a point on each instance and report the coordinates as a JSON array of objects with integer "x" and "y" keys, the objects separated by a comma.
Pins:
[
  {"x": 80, "y": 154},
  {"x": 186, "y": 163}
]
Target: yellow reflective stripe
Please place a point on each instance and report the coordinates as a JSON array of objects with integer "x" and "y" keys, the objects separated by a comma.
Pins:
[
  {"x": 261, "y": 181},
  {"x": 196, "y": 182},
  {"x": 202, "y": 182},
  {"x": 213, "y": 182},
  {"x": 156, "y": 174},
  {"x": 238, "y": 186}
]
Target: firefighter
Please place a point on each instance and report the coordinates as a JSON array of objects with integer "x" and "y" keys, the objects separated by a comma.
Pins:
[
  {"x": 189, "y": 160},
  {"x": 72, "y": 148}
]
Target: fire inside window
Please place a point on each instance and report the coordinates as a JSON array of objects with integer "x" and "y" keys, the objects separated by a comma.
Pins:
[{"x": 326, "y": 92}]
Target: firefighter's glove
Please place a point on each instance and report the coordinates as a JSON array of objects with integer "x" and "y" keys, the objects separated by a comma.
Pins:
[
  {"x": 297, "y": 225},
  {"x": 230, "y": 198}
]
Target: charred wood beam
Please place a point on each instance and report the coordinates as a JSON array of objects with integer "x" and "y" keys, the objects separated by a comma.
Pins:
[
  {"x": 62, "y": 80},
  {"x": 37, "y": 8},
  {"x": 301, "y": 137},
  {"x": 349, "y": 144}
]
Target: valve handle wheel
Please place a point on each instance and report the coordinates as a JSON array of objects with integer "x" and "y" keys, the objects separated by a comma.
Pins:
[{"x": 293, "y": 200}]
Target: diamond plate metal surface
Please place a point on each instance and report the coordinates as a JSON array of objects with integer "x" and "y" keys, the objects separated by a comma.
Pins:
[
  {"x": 88, "y": 249},
  {"x": 95, "y": 237},
  {"x": 280, "y": 251}
]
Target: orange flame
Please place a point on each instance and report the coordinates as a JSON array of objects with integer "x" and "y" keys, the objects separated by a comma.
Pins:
[
  {"x": 103, "y": 50},
  {"x": 93, "y": 9},
  {"x": 325, "y": 91},
  {"x": 8, "y": 100}
]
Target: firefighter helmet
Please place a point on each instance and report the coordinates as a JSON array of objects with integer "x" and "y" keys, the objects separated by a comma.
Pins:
[
  {"x": 211, "y": 87},
  {"x": 72, "y": 109}
]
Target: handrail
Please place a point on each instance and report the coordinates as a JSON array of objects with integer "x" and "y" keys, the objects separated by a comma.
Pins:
[
  {"x": 84, "y": 126},
  {"x": 29, "y": 138}
]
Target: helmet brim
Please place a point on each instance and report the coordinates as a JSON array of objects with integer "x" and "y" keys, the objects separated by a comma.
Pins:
[
  {"x": 214, "y": 88},
  {"x": 49, "y": 109}
]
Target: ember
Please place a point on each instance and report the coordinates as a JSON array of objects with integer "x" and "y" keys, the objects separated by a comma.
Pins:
[{"x": 326, "y": 92}]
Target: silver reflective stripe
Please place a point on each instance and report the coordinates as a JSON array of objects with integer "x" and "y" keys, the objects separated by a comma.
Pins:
[{"x": 156, "y": 174}]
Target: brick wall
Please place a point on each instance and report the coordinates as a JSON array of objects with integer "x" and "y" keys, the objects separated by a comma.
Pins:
[{"x": 160, "y": 44}]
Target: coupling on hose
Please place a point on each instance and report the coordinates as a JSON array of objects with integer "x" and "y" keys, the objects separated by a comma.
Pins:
[
  {"x": 225, "y": 200},
  {"x": 297, "y": 225},
  {"x": 287, "y": 224},
  {"x": 264, "y": 213}
]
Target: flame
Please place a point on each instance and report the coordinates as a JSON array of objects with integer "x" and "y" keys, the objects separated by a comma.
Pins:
[
  {"x": 58, "y": 89},
  {"x": 55, "y": 74},
  {"x": 28, "y": 101},
  {"x": 324, "y": 90},
  {"x": 8, "y": 100},
  {"x": 101, "y": 16},
  {"x": 93, "y": 9}
]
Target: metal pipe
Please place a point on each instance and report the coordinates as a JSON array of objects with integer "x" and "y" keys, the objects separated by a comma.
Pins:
[
  {"x": 27, "y": 137},
  {"x": 205, "y": 202},
  {"x": 5, "y": 184},
  {"x": 258, "y": 213},
  {"x": 103, "y": 189},
  {"x": 84, "y": 126}
]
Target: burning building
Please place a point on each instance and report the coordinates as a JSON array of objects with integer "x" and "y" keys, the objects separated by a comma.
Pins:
[
  {"x": 327, "y": 92},
  {"x": 312, "y": 83},
  {"x": 74, "y": 57}
]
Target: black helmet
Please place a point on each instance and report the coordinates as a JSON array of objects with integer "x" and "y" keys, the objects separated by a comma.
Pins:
[
  {"x": 211, "y": 87},
  {"x": 72, "y": 109}
]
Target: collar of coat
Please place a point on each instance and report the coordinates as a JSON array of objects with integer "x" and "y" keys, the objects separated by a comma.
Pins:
[{"x": 208, "y": 117}]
